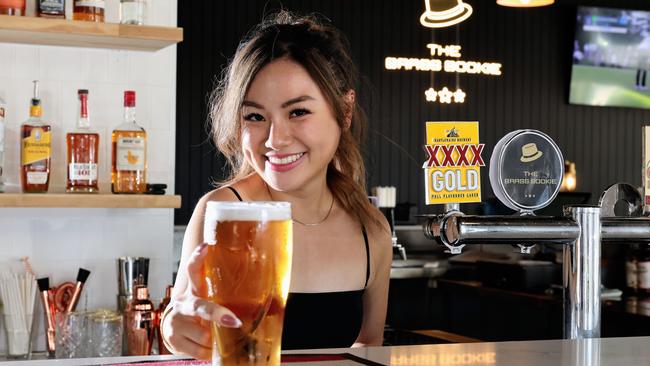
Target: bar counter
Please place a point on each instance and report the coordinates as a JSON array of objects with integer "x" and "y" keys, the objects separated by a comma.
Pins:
[{"x": 633, "y": 351}]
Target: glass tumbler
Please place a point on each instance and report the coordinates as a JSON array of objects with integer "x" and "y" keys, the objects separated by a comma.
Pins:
[
  {"x": 106, "y": 329},
  {"x": 132, "y": 12},
  {"x": 17, "y": 335},
  {"x": 72, "y": 335}
]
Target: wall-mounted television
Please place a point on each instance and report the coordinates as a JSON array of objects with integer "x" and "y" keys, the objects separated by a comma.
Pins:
[{"x": 611, "y": 58}]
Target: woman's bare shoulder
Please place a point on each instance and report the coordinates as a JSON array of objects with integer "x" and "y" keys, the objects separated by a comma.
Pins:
[
  {"x": 222, "y": 193},
  {"x": 380, "y": 235}
]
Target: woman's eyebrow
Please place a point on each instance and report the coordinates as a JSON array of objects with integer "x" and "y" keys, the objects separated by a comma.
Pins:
[
  {"x": 299, "y": 99},
  {"x": 248, "y": 103}
]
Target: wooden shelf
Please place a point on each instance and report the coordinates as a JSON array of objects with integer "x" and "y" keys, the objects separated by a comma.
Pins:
[
  {"x": 71, "y": 200},
  {"x": 74, "y": 33}
]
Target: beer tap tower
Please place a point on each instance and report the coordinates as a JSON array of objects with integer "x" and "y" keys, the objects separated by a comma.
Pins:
[{"x": 526, "y": 170}]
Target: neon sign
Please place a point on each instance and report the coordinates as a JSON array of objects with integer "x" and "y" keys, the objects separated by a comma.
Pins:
[
  {"x": 445, "y": 95},
  {"x": 436, "y": 64},
  {"x": 440, "y": 14}
]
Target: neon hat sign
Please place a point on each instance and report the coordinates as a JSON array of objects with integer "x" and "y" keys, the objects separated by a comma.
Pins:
[{"x": 443, "y": 13}]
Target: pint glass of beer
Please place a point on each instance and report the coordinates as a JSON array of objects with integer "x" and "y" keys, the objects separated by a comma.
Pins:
[{"x": 248, "y": 269}]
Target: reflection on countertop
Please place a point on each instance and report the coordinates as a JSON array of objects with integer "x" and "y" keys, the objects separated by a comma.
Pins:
[{"x": 588, "y": 352}]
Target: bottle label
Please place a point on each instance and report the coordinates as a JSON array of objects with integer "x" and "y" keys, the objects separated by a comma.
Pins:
[
  {"x": 37, "y": 146},
  {"x": 51, "y": 6},
  {"x": 644, "y": 275},
  {"x": 78, "y": 171},
  {"x": 631, "y": 274},
  {"x": 130, "y": 153},
  {"x": 37, "y": 177},
  {"x": 15, "y": 4},
  {"x": 91, "y": 3}
]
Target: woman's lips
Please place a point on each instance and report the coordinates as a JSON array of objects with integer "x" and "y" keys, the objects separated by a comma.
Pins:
[{"x": 283, "y": 167}]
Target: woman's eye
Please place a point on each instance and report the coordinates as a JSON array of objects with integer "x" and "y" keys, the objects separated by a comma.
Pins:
[
  {"x": 253, "y": 117},
  {"x": 299, "y": 112}
]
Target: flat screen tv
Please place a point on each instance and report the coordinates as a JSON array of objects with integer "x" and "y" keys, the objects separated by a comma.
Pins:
[{"x": 611, "y": 58}]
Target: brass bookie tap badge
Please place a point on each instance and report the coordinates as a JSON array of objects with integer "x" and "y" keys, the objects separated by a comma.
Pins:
[
  {"x": 452, "y": 172},
  {"x": 526, "y": 170}
]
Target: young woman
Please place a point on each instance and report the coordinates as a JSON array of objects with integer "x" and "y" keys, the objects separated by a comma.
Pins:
[{"x": 287, "y": 119}]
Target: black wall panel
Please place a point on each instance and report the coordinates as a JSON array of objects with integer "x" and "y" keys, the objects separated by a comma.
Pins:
[{"x": 534, "y": 46}]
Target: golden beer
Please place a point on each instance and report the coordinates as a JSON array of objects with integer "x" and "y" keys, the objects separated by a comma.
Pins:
[{"x": 248, "y": 269}]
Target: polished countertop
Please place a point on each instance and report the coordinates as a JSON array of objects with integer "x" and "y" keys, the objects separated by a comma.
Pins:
[{"x": 633, "y": 351}]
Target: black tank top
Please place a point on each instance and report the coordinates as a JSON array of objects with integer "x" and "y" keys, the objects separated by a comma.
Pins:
[{"x": 323, "y": 319}]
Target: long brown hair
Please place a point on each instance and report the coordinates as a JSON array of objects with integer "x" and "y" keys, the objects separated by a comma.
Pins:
[{"x": 324, "y": 52}]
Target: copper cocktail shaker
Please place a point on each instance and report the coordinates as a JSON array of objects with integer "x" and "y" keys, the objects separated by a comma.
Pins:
[
  {"x": 162, "y": 349},
  {"x": 131, "y": 271},
  {"x": 139, "y": 321}
]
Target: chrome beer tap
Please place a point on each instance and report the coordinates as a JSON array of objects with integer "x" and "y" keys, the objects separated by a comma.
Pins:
[{"x": 581, "y": 230}]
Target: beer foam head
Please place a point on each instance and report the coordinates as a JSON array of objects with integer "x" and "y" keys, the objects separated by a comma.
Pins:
[{"x": 242, "y": 211}]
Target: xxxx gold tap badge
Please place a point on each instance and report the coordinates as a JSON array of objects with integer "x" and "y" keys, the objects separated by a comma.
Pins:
[{"x": 452, "y": 172}]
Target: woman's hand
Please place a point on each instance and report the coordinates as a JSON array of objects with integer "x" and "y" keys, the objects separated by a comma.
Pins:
[{"x": 186, "y": 326}]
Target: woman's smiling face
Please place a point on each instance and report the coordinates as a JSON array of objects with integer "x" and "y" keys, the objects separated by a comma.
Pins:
[{"x": 289, "y": 132}]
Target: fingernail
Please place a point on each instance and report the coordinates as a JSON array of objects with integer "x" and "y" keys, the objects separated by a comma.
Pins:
[{"x": 229, "y": 321}]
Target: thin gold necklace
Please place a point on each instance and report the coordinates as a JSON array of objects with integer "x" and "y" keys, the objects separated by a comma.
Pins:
[{"x": 329, "y": 211}]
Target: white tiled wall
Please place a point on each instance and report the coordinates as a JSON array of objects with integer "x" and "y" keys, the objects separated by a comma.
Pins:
[{"x": 59, "y": 241}]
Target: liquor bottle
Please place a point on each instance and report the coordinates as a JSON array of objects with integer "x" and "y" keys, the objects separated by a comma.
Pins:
[
  {"x": 50, "y": 8},
  {"x": 89, "y": 10},
  {"x": 36, "y": 149},
  {"x": 132, "y": 12},
  {"x": 632, "y": 269},
  {"x": 12, "y": 7},
  {"x": 129, "y": 152},
  {"x": 643, "y": 265},
  {"x": 83, "y": 152},
  {"x": 2, "y": 143},
  {"x": 139, "y": 323}
]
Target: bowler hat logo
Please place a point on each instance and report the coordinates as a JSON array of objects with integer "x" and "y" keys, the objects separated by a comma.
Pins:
[
  {"x": 443, "y": 13},
  {"x": 529, "y": 153}
]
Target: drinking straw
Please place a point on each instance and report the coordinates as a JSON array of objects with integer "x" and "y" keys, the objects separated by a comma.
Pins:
[
  {"x": 28, "y": 266},
  {"x": 31, "y": 280},
  {"x": 18, "y": 293}
]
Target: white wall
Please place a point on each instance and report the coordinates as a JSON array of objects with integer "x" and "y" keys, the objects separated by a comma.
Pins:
[{"x": 59, "y": 241}]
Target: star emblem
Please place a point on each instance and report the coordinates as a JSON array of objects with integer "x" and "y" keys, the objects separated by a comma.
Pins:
[
  {"x": 431, "y": 95},
  {"x": 445, "y": 95},
  {"x": 459, "y": 96}
]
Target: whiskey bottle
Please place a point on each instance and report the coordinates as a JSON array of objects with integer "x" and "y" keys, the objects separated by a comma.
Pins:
[
  {"x": 12, "y": 7},
  {"x": 36, "y": 149},
  {"x": 89, "y": 10},
  {"x": 129, "y": 152},
  {"x": 50, "y": 8},
  {"x": 83, "y": 152}
]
